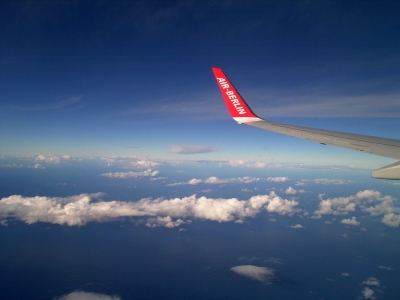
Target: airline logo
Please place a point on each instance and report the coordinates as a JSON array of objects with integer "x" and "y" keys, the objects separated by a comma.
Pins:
[{"x": 231, "y": 96}]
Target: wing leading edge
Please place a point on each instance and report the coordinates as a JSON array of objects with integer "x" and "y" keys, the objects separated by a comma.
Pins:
[{"x": 242, "y": 113}]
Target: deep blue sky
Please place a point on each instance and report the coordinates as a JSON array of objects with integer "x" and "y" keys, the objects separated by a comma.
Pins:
[
  {"x": 109, "y": 112},
  {"x": 134, "y": 77}
]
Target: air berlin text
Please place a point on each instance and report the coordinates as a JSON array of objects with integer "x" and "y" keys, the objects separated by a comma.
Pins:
[{"x": 231, "y": 95}]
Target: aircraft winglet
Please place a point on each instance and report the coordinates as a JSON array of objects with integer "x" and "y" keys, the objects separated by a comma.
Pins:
[{"x": 236, "y": 105}]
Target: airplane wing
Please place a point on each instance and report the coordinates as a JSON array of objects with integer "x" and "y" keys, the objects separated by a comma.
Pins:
[{"x": 242, "y": 114}]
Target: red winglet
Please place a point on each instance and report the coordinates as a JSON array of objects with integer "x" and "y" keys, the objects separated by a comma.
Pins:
[{"x": 236, "y": 105}]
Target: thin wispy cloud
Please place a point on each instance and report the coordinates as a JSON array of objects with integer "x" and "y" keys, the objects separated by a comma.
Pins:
[
  {"x": 69, "y": 104},
  {"x": 312, "y": 101},
  {"x": 191, "y": 148},
  {"x": 385, "y": 268},
  {"x": 216, "y": 180},
  {"x": 323, "y": 181},
  {"x": 130, "y": 174}
]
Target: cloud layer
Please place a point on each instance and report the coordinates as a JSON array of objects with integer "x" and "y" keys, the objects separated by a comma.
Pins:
[
  {"x": 191, "y": 148},
  {"x": 130, "y": 174},
  {"x": 216, "y": 180},
  {"x": 79, "y": 209}
]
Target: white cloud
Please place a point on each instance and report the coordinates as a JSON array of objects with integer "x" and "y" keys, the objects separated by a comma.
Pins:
[
  {"x": 263, "y": 274},
  {"x": 12, "y": 166},
  {"x": 372, "y": 281},
  {"x": 385, "y": 268},
  {"x": 235, "y": 163},
  {"x": 353, "y": 221},
  {"x": 343, "y": 205},
  {"x": 345, "y": 274},
  {"x": 275, "y": 260},
  {"x": 391, "y": 219},
  {"x": 278, "y": 179},
  {"x": 191, "y": 148},
  {"x": 166, "y": 221},
  {"x": 130, "y": 174},
  {"x": 323, "y": 181},
  {"x": 258, "y": 165},
  {"x": 144, "y": 164},
  {"x": 80, "y": 295},
  {"x": 36, "y": 166},
  {"x": 157, "y": 178},
  {"x": 79, "y": 210},
  {"x": 290, "y": 191},
  {"x": 216, "y": 180},
  {"x": 297, "y": 226},
  {"x": 368, "y": 293},
  {"x": 282, "y": 206},
  {"x": 52, "y": 158}
]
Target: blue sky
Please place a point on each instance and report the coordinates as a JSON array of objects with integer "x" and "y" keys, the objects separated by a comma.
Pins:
[
  {"x": 134, "y": 77},
  {"x": 119, "y": 161}
]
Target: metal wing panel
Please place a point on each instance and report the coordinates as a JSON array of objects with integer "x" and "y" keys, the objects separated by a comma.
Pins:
[{"x": 364, "y": 143}]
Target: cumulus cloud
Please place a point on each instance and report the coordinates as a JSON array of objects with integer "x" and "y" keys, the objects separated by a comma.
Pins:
[
  {"x": 144, "y": 164},
  {"x": 236, "y": 163},
  {"x": 290, "y": 191},
  {"x": 130, "y": 174},
  {"x": 353, "y": 221},
  {"x": 385, "y": 268},
  {"x": 79, "y": 209},
  {"x": 345, "y": 274},
  {"x": 372, "y": 281},
  {"x": 216, "y": 180},
  {"x": 368, "y": 293},
  {"x": 55, "y": 159},
  {"x": 80, "y": 295},
  {"x": 297, "y": 226},
  {"x": 342, "y": 205},
  {"x": 191, "y": 148},
  {"x": 163, "y": 221},
  {"x": 278, "y": 179},
  {"x": 263, "y": 274}
]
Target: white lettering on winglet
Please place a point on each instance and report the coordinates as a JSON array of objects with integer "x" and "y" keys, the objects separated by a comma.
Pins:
[{"x": 232, "y": 97}]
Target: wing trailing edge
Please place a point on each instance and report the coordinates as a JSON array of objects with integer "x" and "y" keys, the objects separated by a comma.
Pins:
[{"x": 241, "y": 112}]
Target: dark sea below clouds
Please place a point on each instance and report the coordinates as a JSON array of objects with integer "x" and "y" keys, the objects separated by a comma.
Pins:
[{"x": 43, "y": 261}]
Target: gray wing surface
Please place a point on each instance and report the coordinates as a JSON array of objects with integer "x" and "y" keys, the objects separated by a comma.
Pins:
[
  {"x": 242, "y": 113},
  {"x": 364, "y": 143}
]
